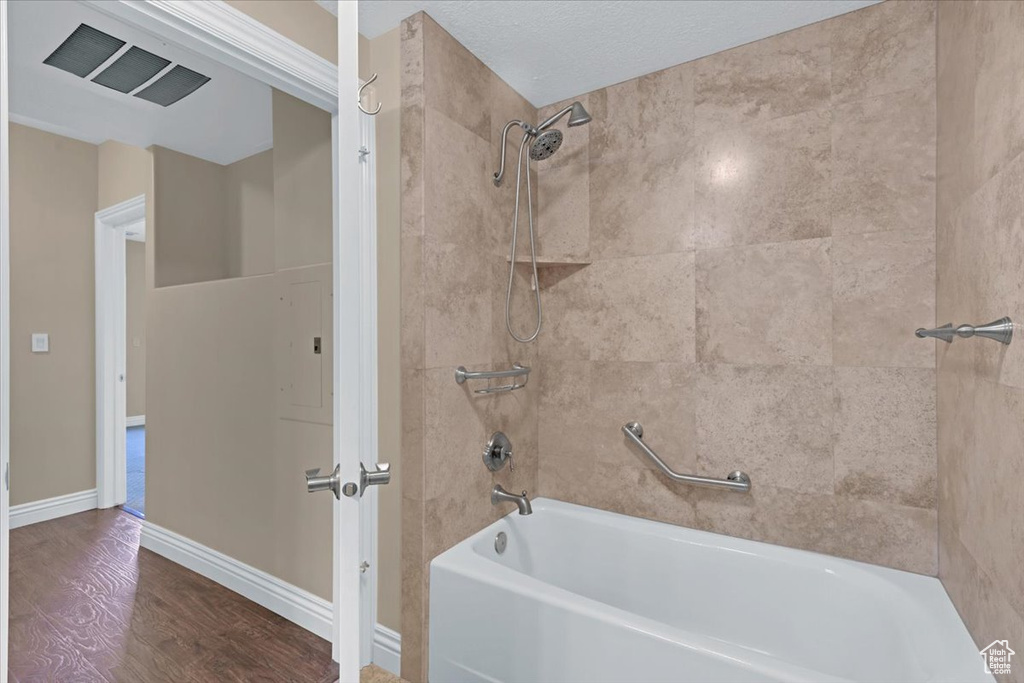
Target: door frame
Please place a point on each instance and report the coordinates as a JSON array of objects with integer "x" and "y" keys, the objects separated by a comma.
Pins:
[
  {"x": 218, "y": 31},
  {"x": 112, "y": 227},
  {"x": 5, "y": 347}
]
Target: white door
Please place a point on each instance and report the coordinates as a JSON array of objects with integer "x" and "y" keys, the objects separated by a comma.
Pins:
[
  {"x": 5, "y": 351},
  {"x": 355, "y": 367}
]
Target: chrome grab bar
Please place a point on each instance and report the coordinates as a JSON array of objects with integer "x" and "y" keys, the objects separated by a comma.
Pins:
[{"x": 737, "y": 482}]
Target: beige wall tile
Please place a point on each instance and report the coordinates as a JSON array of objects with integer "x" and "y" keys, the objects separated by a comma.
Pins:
[
  {"x": 585, "y": 404},
  {"x": 766, "y": 79},
  {"x": 980, "y": 221},
  {"x": 956, "y": 67},
  {"x": 458, "y": 192},
  {"x": 457, "y": 306},
  {"x": 455, "y": 82},
  {"x": 764, "y": 182},
  {"x": 562, "y": 197},
  {"x": 768, "y": 304},
  {"x": 883, "y": 49},
  {"x": 772, "y": 422},
  {"x": 992, "y": 531},
  {"x": 955, "y": 434},
  {"x": 872, "y": 326},
  {"x": 642, "y": 202},
  {"x": 643, "y": 308},
  {"x": 771, "y": 515},
  {"x": 883, "y": 174},
  {"x": 998, "y": 89},
  {"x": 642, "y": 113},
  {"x": 885, "y": 434},
  {"x": 992, "y": 227},
  {"x": 978, "y": 599},
  {"x": 886, "y": 534},
  {"x": 568, "y": 315}
]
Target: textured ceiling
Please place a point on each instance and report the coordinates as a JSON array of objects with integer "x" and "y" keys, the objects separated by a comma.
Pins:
[{"x": 554, "y": 49}]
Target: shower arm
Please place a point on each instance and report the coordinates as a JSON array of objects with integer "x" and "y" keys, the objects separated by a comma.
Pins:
[
  {"x": 504, "y": 138},
  {"x": 551, "y": 120}
]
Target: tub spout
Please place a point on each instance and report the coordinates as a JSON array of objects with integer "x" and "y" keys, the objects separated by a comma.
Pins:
[{"x": 500, "y": 495}]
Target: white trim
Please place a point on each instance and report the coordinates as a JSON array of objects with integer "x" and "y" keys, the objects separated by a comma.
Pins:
[
  {"x": 5, "y": 344},
  {"x": 368, "y": 326},
  {"x": 135, "y": 421},
  {"x": 217, "y": 30},
  {"x": 354, "y": 344},
  {"x": 301, "y": 607},
  {"x": 111, "y": 226},
  {"x": 387, "y": 649},
  {"x": 52, "y": 508}
]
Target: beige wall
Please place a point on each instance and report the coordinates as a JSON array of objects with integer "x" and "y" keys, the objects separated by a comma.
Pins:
[
  {"x": 125, "y": 172},
  {"x": 453, "y": 266},
  {"x": 302, "y": 178},
  {"x": 384, "y": 58},
  {"x": 53, "y": 188},
  {"x": 760, "y": 227},
  {"x": 980, "y": 278},
  {"x": 249, "y": 213},
  {"x": 135, "y": 327},
  {"x": 188, "y": 205},
  {"x": 218, "y": 220},
  {"x": 220, "y": 362}
]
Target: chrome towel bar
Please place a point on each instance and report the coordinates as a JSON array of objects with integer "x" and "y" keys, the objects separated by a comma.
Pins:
[
  {"x": 737, "y": 482},
  {"x": 1000, "y": 330}
]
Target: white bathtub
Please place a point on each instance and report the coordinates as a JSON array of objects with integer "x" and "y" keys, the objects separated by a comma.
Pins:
[{"x": 585, "y": 595}]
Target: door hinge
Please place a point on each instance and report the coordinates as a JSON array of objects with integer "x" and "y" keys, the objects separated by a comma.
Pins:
[{"x": 7, "y": 476}]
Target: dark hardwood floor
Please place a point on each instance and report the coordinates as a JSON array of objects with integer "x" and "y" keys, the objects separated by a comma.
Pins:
[{"x": 88, "y": 605}]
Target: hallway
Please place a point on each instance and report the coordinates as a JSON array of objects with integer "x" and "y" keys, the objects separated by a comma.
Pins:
[
  {"x": 135, "y": 460},
  {"x": 88, "y": 605}
]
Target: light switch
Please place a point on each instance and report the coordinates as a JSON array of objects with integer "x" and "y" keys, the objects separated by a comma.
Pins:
[
  {"x": 136, "y": 343},
  {"x": 40, "y": 342}
]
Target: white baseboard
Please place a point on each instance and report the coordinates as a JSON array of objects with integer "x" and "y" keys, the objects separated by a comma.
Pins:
[
  {"x": 135, "y": 421},
  {"x": 387, "y": 649},
  {"x": 52, "y": 508},
  {"x": 309, "y": 611}
]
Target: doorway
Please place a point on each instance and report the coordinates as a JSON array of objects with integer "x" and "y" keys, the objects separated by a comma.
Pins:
[{"x": 233, "y": 294}]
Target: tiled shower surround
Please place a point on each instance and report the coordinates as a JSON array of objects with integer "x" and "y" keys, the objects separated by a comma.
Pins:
[
  {"x": 760, "y": 227},
  {"x": 980, "y": 278},
  {"x": 745, "y": 245}
]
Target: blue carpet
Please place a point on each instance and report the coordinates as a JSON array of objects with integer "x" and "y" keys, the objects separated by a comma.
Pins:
[{"x": 135, "y": 454}]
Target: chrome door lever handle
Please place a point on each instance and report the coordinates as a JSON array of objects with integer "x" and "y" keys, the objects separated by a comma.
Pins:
[
  {"x": 331, "y": 482},
  {"x": 379, "y": 477}
]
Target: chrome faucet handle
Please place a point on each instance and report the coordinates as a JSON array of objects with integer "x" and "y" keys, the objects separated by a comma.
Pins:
[{"x": 497, "y": 451}]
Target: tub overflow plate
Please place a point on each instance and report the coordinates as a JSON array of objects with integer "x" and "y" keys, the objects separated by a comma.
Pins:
[{"x": 500, "y": 542}]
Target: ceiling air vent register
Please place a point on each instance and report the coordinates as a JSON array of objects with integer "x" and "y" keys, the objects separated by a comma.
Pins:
[{"x": 87, "y": 49}]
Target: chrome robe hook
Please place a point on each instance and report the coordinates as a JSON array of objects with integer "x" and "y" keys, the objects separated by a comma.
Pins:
[{"x": 359, "y": 98}]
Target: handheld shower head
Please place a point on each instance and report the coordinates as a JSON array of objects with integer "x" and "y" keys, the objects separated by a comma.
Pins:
[{"x": 546, "y": 144}]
